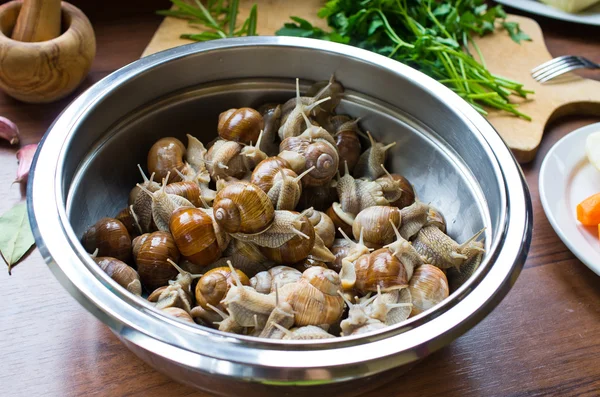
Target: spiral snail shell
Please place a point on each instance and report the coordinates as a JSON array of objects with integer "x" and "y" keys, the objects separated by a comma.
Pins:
[
  {"x": 195, "y": 236},
  {"x": 243, "y": 208},
  {"x": 241, "y": 125},
  {"x": 380, "y": 268},
  {"x": 110, "y": 237},
  {"x": 408, "y": 193},
  {"x": 375, "y": 223},
  {"x": 187, "y": 190},
  {"x": 119, "y": 271},
  {"x": 323, "y": 226},
  {"x": 428, "y": 287},
  {"x": 214, "y": 285}
]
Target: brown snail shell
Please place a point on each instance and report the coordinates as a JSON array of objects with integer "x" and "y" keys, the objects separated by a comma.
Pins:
[
  {"x": 369, "y": 163},
  {"x": 315, "y": 297},
  {"x": 153, "y": 267},
  {"x": 340, "y": 219},
  {"x": 408, "y": 193},
  {"x": 376, "y": 226},
  {"x": 123, "y": 274},
  {"x": 348, "y": 145},
  {"x": 179, "y": 313},
  {"x": 224, "y": 159},
  {"x": 308, "y": 263},
  {"x": 295, "y": 249},
  {"x": 327, "y": 88},
  {"x": 166, "y": 156},
  {"x": 195, "y": 236},
  {"x": 323, "y": 225},
  {"x": 137, "y": 243},
  {"x": 268, "y": 281},
  {"x": 241, "y": 125},
  {"x": 271, "y": 114},
  {"x": 380, "y": 269},
  {"x": 110, "y": 237},
  {"x": 318, "y": 197},
  {"x": 124, "y": 216},
  {"x": 267, "y": 171},
  {"x": 187, "y": 190},
  {"x": 428, "y": 287},
  {"x": 340, "y": 248},
  {"x": 247, "y": 257},
  {"x": 243, "y": 208},
  {"x": 318, "y": 153},
  {"x": 214, "y": 285}
]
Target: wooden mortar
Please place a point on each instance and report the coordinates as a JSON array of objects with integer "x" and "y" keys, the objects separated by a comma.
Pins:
[{"x": 45, "y": 71}]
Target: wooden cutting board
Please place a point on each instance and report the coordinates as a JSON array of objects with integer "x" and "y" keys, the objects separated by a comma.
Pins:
[{"x": 573, "y": 95}]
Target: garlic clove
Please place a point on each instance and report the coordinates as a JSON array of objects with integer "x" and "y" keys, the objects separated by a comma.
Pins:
[
  {"x": 25, "y": 157},
  {"x": 9, "y": 131}
]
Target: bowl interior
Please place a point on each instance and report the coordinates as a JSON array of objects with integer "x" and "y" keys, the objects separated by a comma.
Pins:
[{"x": 107, "y": 171}]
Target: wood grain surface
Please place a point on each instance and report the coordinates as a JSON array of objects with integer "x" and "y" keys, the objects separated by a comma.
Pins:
[
  {"x": 573, "y": 94},
  {"x": 45, "y": 71},
  {"x": 543, "y": 339}
]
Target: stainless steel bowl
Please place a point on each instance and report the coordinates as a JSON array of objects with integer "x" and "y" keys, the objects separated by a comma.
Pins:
[{"x": 87, "y": 164}]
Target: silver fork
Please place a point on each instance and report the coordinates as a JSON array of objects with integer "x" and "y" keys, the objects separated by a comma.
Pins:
[{"x": 559, "y": 66}]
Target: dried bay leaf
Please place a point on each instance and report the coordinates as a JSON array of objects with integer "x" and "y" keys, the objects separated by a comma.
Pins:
[{"x": 16, "y": 237}]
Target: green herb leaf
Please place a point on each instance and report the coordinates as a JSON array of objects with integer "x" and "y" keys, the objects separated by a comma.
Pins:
[
  {"x": 515, "y": 32},
  {"x": 16, "y": 237}
]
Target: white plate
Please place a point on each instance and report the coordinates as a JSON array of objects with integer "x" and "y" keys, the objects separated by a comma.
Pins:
[
  {"x": 590, "y": 16},
  {"x": 566, "y": 179}
]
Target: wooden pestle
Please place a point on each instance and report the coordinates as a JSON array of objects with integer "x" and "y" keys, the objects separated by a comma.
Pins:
[{"x": 39, "y": 20}]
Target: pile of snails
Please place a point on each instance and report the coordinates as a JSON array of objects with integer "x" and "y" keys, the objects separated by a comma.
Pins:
[{"x": 283, "y": 227}]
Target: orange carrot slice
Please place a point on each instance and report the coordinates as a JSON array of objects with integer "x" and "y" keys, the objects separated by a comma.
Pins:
[
  {"x": 588, "y": 211},
  {"x": 599, "y": 231}
]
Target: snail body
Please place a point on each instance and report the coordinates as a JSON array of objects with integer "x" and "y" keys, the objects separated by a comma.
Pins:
[
  {"x": 395, "y": 181},
  {"x": 297, "y": 233},
  {"x": 441, "y": 250},
  {"x": 327, "y": 88},
  {"x": 323, "y": 226},
  {"x": 272, "y": 118},
  {"x": 140, "y": 203},
  {"x": 369, "y": 163},
  {"x": 110, "y": 237},
  {"x": 122, "y": 273},
  {"x": 268, "y": 281}
]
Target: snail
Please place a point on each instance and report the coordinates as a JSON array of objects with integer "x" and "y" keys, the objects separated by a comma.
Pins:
[
  {"x": 375, "y": 224},
  {"x": 318, "y": 149},
  {"x": 327, "y": 88},
  {"x": 140, "y": 204},
  {"x": 208, "y": 317},
  {"x": 357, "y": 194},
  {"x": 166, "y": 156},
  {"x": 314, "y": 298},
  {"x": 342, "y": 220},
  {"x": 195, "y": 236},
  {"x": 395, "y": 181},
  {"x": 308, "y": 263},
  {"x": 267, "y": 170},
  {"x": 441, "y": 250},
  {"x": 164, "y": 204},
  {"x": 243, "y": 208},
  {"x": 292, "y": 123},
  {"x": 152, "y": 260},
  {"x": 282, "y": 317},
  {"x": 340, "y": 249},
  {"x": 287, "y": 189},
  {"x": 308, "y": 332},
  {"x": 358, "y": 319},
  {"x": 348, "y": 144},
  {"x": 227, "y": 323},
  {"x": 349, "y": 257},
  {"x": 196, "y": 158},
  {"x": 179, "y": 314},
  {"x": 244, "y": 303},
  {"x": 323, "y": 226},
  {"x": 187, "y": 190},
  {"x": 229, "y": 158},
  {"x": 110, "y": 237},
  {"x": 214, "y": 285},
  {"x": 418, "y": 215},
  {"x": 247, "y": 257},
  {"x": 474, "y": 253},
  {"x": 267, "y": 281},
  {"x": 369, "y": 164},
  {"x": 290, "y": 238},
  {"x": 318, "y": 197},
  {"x": 240, "y": 125},
  {"x": 428, "y": 287},
  {"x": 391, "y": 307},
  {"x": 119, "y": 271},
  {"x": 271, "y": 114},
  {"x": 124, "y": 216},
  {"x": 320, "y": 252},
  {"x": 177, "y": 293}
]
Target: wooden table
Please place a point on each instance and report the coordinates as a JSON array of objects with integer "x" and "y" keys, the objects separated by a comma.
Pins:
[{"x": 543, "y": 339}]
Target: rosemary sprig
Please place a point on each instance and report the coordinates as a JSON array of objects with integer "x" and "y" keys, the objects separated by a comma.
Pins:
[{"x": 217, "y": 19}]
